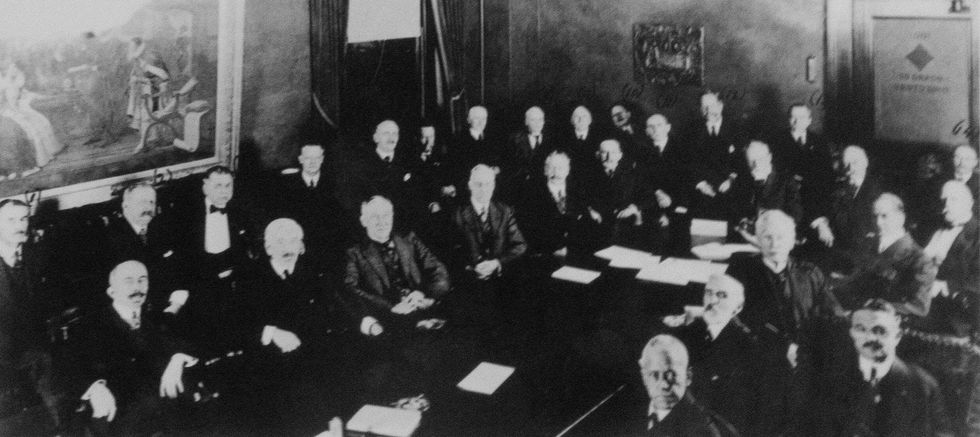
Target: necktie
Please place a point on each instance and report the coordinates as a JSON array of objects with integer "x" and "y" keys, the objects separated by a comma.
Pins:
[
  {"x": 537, "y": 142},
  {"x": 312, "y": 184},
  {"x": 214, "y": 209},
  {"x": 714, "y": 130},
  {"x": 652, "y": 421},
  {"x": 286, "y": 274},
  {"x": 19, "y": 256},
  {"x": 134, "y": 321},
  {"x": 609, "y": 172},
  {"x": 483, "y": 214},
  {"x": 852, "y": 190},
  {"x": 560, "y": 201},
  {"x": 581, "y": 137},
  {"x": 387, "y": 159},
  {"x": 142, "y": 236},
  {"x": 799, "y": 141}
]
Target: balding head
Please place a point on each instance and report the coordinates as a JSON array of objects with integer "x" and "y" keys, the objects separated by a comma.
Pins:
[
  {"x": 534, "y": 120},
  {"x": 311, "y": 158},
  {"x": 378, "y": 218},
  {"x": 758, "y": 156},
  {"x": 610, "y": 153},
  {"x": 556, "y": 167},
  {"x": 128, "y": 285},
  {"x": 386, "y": 136},
  {"x": 964, "y": 161},
  {"x": 482, "y": 183},
  {"x": 477, "y": 118},
  {"x": 855, "y": 163},
  {"x": 581, "y": 119},
  {"x": 957, "y": 203},
  {"x": 284, "y": 240},
  {"x": 889, "y": 212},
  {"x": 665, "y": 371},
  {"x": 776, "y": 232}
]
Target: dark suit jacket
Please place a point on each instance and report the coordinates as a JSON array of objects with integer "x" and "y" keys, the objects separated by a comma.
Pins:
[
  {"x": 467, "y": 152},
  {"x": 768, "y": 312},
  {"x": 717, "y": 156},
  {"x": 901, "y": 274},
  {"x": 26, "y": 301},
  {"x": 779, "y": 191},
  {"x": 122, "y": 243},
  {"x": 506, "y": 243},
  {"x": 669, "y": 170},
  {"x": 326, "y": 225},
  {"x": 521, "y": 162},
  {"x": 910, "y": 403},
  {"x": 369, "y": 175},
  {"x": 730, "y": 374},
  {"x": 851, "y": 218},
  {"x": 368, "y": 286},
  {"x": 130, "y": 361},
  {"x": 959, "y": 313},
  {"x": 581, "y": 152},
  {"x": 608, "y": 195},
  {"x": 546, "y": 228},
  {"x": 304, "y": 303}
]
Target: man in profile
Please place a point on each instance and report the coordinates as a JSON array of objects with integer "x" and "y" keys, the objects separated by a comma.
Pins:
[
  {"x": 965, "y": 168},
  {"x": 873, "y": 391}
]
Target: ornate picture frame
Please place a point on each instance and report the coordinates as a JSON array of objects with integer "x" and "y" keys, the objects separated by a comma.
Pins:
[{"x": 667, "y": 54}]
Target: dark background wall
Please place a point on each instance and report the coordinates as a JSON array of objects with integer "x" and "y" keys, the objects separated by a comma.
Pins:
[
  {"x": 559, "y": 51},
  {"x": 275, "y": 83}
]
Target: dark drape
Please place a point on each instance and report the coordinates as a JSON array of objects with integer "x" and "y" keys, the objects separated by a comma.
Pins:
[{"x": 328, "y": 21}]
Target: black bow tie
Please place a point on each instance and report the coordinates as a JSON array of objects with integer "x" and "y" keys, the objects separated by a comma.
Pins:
[{"x": 213, "y": 209}]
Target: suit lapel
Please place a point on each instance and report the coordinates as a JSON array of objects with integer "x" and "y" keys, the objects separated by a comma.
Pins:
[{"x": 405, "y": 257}]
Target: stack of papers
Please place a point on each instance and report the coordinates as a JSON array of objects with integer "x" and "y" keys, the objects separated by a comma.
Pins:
[
  {"x": 626, "y": 258},
  {"x": 715, "y": 251},
  {"x": 575, "y": 274},
  {"x": 384, "y": 421},
  {"x": 679, "y": 271},
  {"x": 613, "y": 252},
  {"x": 709, "y": 228},
  {"x": 486, "y": 378}
]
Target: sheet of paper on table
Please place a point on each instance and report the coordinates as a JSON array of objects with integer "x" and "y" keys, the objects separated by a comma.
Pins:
[
  {"x": 575, "y": 274},
  {"x": 716, "y": 251},
  {"x": 385, "y": 421},
  {"x": 615, "y": 252},
  {"x": 635, "y": 262},
  {"x": 694, "y": 269},
  {"x": 662, "y": 273},
  {"x": 709, "y": 228},
  {"x": 486, "y": 378}
]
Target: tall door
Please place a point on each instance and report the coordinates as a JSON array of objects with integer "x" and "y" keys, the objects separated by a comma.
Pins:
[{"x": 904, "y": 73}]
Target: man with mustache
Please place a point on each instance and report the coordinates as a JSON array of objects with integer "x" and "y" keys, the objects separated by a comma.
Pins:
[
  {"x": 134, "y": 234},
  {"x": 26, "y": 302},
  {"x": 383, "y": 167},
  {"x": 729, "y": 366},
  {"x": 874, "y": 392},
  {"x": 128, "y": 361}
]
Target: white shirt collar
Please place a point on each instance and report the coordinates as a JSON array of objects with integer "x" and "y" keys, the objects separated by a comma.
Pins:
[
  {"x": 307, "y": 178},
  {"x": 857, "y": 182},
  {"x": 661, "y": 414},
  {"x": 714, "y": 329},
  {"x": 881, "y": 369},
  {"x": 480, "y": 206},
  {"x": 556, "y": 187},
  {"x": 476, "y": 134},
  {"x": 584, "y": 134},
  {"x": 207, "y": 205},
  {"x": 798, "y": 135},
  {"x": 9, "y": 254},
  {"x": 126, "y": 312},
  {"x": 279, "y": 266},
  {"x": 761, "y": 174},
  {"x": 773, "y": 266},
  {"x": 390, "y": 156}
]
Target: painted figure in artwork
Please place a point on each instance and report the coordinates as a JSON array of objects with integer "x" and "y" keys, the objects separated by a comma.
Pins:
[
  {"x": 15, "y": 106},
  {"x": 149, "y": 87}
]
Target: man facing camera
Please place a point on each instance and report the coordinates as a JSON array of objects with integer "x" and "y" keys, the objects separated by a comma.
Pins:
[
  {"x": 128, "y": 360},
  {"x": 392, "y": 280},
  {"x": 874, "y": 392},
  {"x": 620, "y": 202},
  {"x": 309, "y": 198},
  {"x": 672, "y": 410}
]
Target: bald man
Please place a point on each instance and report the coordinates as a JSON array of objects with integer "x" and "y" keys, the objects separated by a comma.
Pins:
[
  {"x": 524, "y": 154},
  {"x": 850, "y": 218},
  {"x": 761, "y": 187},
  {"x": 479, "y": 144},
  {"x": 128, "y": 363},
  {"x": 729, "y": 368},
  {"x": 382, "y": 168},
  {"x": 889, "y": 264}
]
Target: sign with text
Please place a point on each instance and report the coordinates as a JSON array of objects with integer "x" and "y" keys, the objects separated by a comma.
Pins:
[{"x": 922, "y": 79}]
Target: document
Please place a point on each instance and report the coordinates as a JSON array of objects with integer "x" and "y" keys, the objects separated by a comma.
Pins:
[
  {"x": 486, "y": 378},
  {"x": 637, "y": 262},
  {"x": 680, "y": 271},
  {"x": 575, "y": 274},
  {"x": 715, "y": 251},
  {"x": 385, "y": 421},
  {"x": 614, "y": 252},
  {"x": 662, "y": 273},
  {"x": 709, "y": 228}
]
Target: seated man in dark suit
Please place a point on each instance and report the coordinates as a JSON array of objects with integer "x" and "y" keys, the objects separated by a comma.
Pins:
[
  {"x": 956, "y": 250},
  {"x": 309, "y": 198},
  {"x": 763, "y": 187},
  {"x": 385, "y": 167},
  {"x": 890, "y": 265},
  {"x": 490, "y": 244},
  {"x": 26, "y": 302},
  {"x": 621, "y": 203},
  {"x": 135, "y": 234},
  {"x": 524, "y": 154},
  {"x": 672, "y": 410},
  {"x": 873, "y": 392},
  {"x": 789, "y": 307},
  {"x": 128, "y": 360},
  {"x": 850, "y": 218},
  {"x": 393, "y": 280},
  {"x": 728, "y": 364},
  {"x": 965, "y": 168},
  {"x": 550, "y": 208},
  {"x": 668, "y": 161}
]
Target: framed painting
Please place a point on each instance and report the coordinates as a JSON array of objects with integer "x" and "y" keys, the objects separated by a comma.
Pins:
[
  {"x": 666, "y": 54},
  {"x": 99, "y": 93}
]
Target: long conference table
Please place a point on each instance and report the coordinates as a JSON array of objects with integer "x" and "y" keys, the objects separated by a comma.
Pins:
[{"x": 573, "y": 346}]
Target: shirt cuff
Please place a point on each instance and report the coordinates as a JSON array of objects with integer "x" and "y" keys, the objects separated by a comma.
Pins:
[
  {"x": 179, "y": 297},
  {"x": 366, "y": 323},
  {"x": 818, "y": 221},
  {"x": 184, "y": 359},
  {"x": 88, "y": 393},
  {"x": 267, "y": 334},
  {"x": 702, "y": 185}
]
